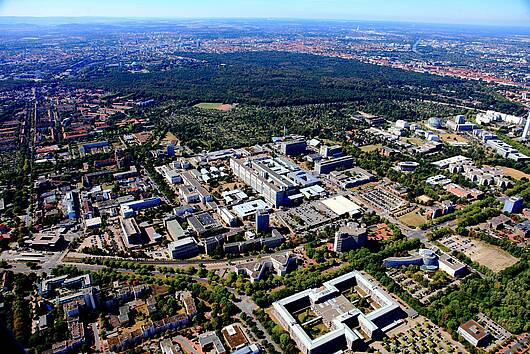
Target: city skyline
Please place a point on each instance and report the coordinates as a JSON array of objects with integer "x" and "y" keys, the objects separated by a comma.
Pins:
[{"x": 473, "y": 12}]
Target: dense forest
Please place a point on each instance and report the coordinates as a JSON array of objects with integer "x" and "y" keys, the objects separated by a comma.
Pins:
[{"x": 280, "y": 78}]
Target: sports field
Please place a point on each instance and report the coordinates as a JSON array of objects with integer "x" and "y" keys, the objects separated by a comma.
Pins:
[{"x": 214, "y": 105}]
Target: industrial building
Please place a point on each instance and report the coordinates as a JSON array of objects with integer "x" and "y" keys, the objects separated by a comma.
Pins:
[{"x": 275, "y": 179}]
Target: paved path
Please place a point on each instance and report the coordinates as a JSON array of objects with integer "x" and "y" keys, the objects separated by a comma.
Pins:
[{"x": 248, "y": 306}]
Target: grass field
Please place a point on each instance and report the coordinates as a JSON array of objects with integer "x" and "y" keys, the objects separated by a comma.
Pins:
[
  {"x": 169, "y": 137},
  {"x": 371, "y": 148},
  {"x": 512, "y": 172},
  {"x": 413, "y": 219},
  {"x": 214, "y": 105},
  {"x": 453, "y": 137},
  {"x": 490, "y": 256},
  {"x": 413, "y": 141}
]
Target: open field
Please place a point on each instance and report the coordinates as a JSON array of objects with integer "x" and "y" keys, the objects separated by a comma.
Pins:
[
  {"x": 512, "y": 172},
  {"x": 414, "y": 141},
  {"x": 453, "y": 137},
  {"x": 491, "y": 256},
  {"x": 484, "y": 254},
  {"x": 169, "y": 137},
  {"x": 371, "y": 148},
  {"x": 413, "y": 219},
  {"x": 214, "y": 105}
]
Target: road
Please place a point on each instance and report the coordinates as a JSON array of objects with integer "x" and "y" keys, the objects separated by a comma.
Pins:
[
  {"x": 97, "y": 340},
  {"x": 248, "y": 306},
  {"x": 47, "y": 260},
  {"x": 210, "y": 264}
]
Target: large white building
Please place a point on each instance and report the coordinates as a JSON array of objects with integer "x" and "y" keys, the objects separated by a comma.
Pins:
[
  {"x": 275, "y": 179},
  {"x": 348, "y": 325}
]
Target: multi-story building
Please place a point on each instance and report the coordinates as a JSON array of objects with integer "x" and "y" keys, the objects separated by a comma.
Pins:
[
  {"x": 184, "y": 248},
  {"x": 474, "y": 333},
  {"x": 513, "y": 205},
  {"x": 262, "y": 221},
  {"x": 326, "y": 166},
  {"x": 348, "y": 326},
  {"x": 293, "y": 147},
  {"x": 275, "y": 179},
  {"x": 131, "y": 232},
  {"x": 350, "y": 237}
]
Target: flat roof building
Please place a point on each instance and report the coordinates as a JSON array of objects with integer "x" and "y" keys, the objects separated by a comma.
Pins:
[
  {"x": 211, "y": 344},
  {"x": 326, "y": 166},
  {"x": 474, "y": 333},
  {"x": 277, "y": 180},
  {"x": 348, "y": 326},
  {"x": 204, "y": 224},
  {"x": 184, "y": 248},
  {"x": 174, "y": 230},
  {"x": 350, "y": 237}
]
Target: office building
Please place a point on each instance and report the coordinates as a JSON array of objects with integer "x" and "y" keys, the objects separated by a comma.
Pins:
[
  {"x": 330, "y": 151},
  {"x": 526, "y": 129},
  {"x": 204, "y": 224},
  {"x": 174, "y": 230},
  {"x": 170, "y": 149},
  {"x": 279, "y": 263},
  {"x": 407, "y": 166},
  {"x": 130, "y": 230},
  {"x": 211, "y": 344},
  {"x": 428, "y": 260},
  {"x": 70, "y": 205},
  {"x": 184, "y": 248},
  {"x": 275, "y": 179},
  {"x": 262, "y": 221},
  {"x": 474, "y": 333},
  {"x": 326, "y": 166},
  {"x": 350, "y": 237},
  {"x": 127, "y": 209},
  {"x": 348, "y": 327},
  {"x": 293, "y": 147},
  {"x": 229, "y": 218},
  {"x": 513, "y": 204}
]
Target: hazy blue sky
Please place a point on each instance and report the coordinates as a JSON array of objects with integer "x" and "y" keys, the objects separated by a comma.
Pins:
[{"x": 512, "y": 12}]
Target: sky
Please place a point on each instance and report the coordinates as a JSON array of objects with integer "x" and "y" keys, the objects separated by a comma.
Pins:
[{"x": 483, "y": 12}]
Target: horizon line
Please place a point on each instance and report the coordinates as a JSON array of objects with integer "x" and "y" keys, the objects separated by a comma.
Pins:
[{"x": 266, "y": 18}]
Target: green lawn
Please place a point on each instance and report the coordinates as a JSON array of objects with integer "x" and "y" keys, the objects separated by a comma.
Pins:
[{"x": 208, "y": 105}]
